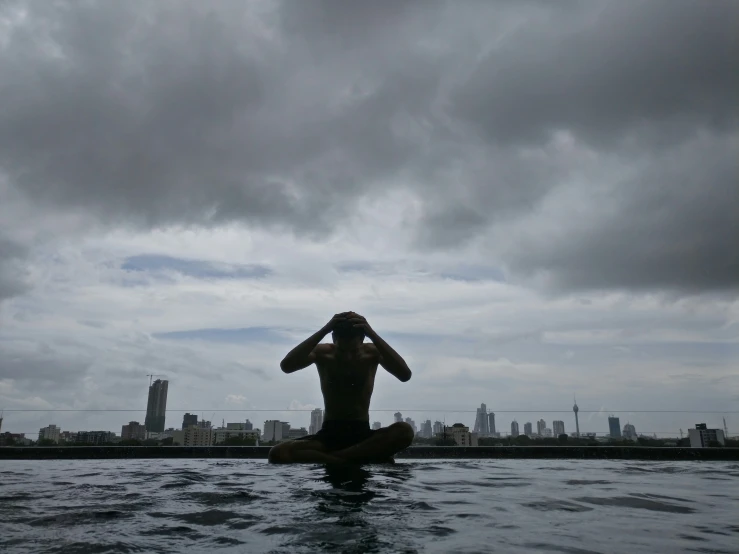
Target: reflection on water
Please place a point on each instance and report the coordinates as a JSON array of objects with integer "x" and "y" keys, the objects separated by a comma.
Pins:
[{"x": 420, "y": 506}]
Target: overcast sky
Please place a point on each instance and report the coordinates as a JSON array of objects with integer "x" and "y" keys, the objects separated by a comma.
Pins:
[{"x": 526, "y": 199}]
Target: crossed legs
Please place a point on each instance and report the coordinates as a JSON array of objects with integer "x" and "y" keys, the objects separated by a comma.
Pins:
[{"x": 380, "y": 447}]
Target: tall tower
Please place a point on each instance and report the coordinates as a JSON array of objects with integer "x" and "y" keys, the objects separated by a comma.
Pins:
[
  {"x": 481, "y": 421},
  {"x": 156, "y": 407},
  {"x": 316, "y": 421},
  {"x": 577, "y": 421},
  {"x": 514, "y": 428},
  {"x": 491, "y": 423}
]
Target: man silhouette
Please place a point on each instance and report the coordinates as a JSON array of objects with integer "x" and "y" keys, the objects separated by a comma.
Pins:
[{"x": 347, "y": 369}]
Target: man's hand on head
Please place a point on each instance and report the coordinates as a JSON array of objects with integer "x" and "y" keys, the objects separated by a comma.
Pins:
[{"x": 359, "y": 322}]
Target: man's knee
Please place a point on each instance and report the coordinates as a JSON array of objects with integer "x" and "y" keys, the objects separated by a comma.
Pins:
[
  {"x": 403, "y": 432},
  {"x": 279, "y": 454}
]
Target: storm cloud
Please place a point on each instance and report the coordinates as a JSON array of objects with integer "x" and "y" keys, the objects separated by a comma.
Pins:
[
  {"x": 515, "y": 191},
  {"x": 287, "y": 115}
]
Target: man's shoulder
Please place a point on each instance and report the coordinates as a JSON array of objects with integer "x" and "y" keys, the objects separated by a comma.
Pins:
[
  {"x": 324, "y": 348},
  {"x": 370, "y": 348}
]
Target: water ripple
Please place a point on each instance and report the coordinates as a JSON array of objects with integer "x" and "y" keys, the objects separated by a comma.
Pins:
[{"x": 434, "y": 506}]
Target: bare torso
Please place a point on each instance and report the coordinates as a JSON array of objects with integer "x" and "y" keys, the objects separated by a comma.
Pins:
[{"x": 347, "y": 380}]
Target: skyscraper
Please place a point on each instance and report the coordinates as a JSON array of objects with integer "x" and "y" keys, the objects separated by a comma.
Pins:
[
  {"x": 398, "y": 417},
  {"x": 412, "y": 423},
  {"x": 481, "y": 421},
  {"x": 558, "y": 427},
  {"x": 156, "y": 408},
  {"x": 540, "y": 426},
  {"x": 248, "y": 426},
  {"x": 438, "y": 428},
  {"x": 528, "y": 429},
  {"x": 316, "y": 421},
  {"x": 577, "y": 421},
  {"x": 514, "y": 428},
  {"x": 614, "y": 426},
  {"x": 629, "y": 432},
  {"x": 189, "y": 419},
  {"x": 426, "y": 431},
  {"x": 491, "y": 424}
]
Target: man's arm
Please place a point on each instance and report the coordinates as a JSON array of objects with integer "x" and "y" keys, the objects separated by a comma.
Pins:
[
  {"x": 389, "y": 358},
  {"x": 304, "y": 354}
]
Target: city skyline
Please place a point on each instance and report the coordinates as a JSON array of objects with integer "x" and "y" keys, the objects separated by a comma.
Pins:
[{"x": 484, "y": 419}]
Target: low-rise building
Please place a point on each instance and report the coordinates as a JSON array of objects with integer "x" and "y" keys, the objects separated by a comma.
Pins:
[
  {"x": 133, "y": 431},
  {"x": 275, "y": 430},
  {"x": 702, "y": 437},
  {"x": 94, "y": 437},
  {"x": 221, "y": 435},
  {"x": 297, "y": 433},
  {"x": 460, "y": 434}
]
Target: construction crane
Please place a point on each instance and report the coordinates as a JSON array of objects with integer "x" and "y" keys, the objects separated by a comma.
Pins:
[{"x": 151, "y": 376}]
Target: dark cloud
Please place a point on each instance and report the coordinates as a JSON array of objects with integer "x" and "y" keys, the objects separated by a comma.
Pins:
[
  {"x": 12, "y": 272},
  {"x": 201, "y": 269},
  {"x": 170, "y": 113},
  {"x": 237, "y": 336}
]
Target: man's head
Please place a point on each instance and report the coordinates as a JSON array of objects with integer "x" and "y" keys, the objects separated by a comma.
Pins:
[{"x": 346, "y": 336}]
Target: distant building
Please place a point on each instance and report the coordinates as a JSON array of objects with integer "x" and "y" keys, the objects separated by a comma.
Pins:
[
  {"x": 316, "y": 421},
  {"x": 248, "y": 426},
  {"x": 398, "y": 417},
  {"x": 14, "y": 439},
  {"x": 189, "y": 419},
  {"x": 528, "y": 429},
  {"x": 491, "y": 424},
  {"x": 376, "y": 425},
  {"x": 221, "y": 435},
  {"x": 614, "y": 426},
  {"x": 481, "y": 421},
  {"x": 156, "y": 407},
  {"x": 203, "y": 424},
  {"x": 438, "y": 428},
  {"x": 297, "y": 433},
  {"x": 133, "y": 431},
  {"x": 577, "y": 421},
  {"x": 412, "y": 423},
  {"x": 558, "y": 427},
  {"x": 514, "y": 428},
  {"x": 540, "y": 425},
  {"x": 702, "y": 437},
  {"x": 630, "y": 432},
  {"x": 427, "y": 430},
  {"x": 194, "y": 435},
  {"x": 236, "y": 426},
  {"x": 94, "y": 437},
  {"x": 67, "y": 437},
  {"x": 275, "y": 430},
  {"x": 546, "y": 432},
  {"x": 461, "y": 435},
  {"x": 50, "y": 433}
]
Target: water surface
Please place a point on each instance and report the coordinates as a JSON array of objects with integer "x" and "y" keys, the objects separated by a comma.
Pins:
[{"x": 460, "y": 506}]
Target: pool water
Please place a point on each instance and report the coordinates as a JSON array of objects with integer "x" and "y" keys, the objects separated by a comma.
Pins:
[{"x": 459, "y": 506}]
